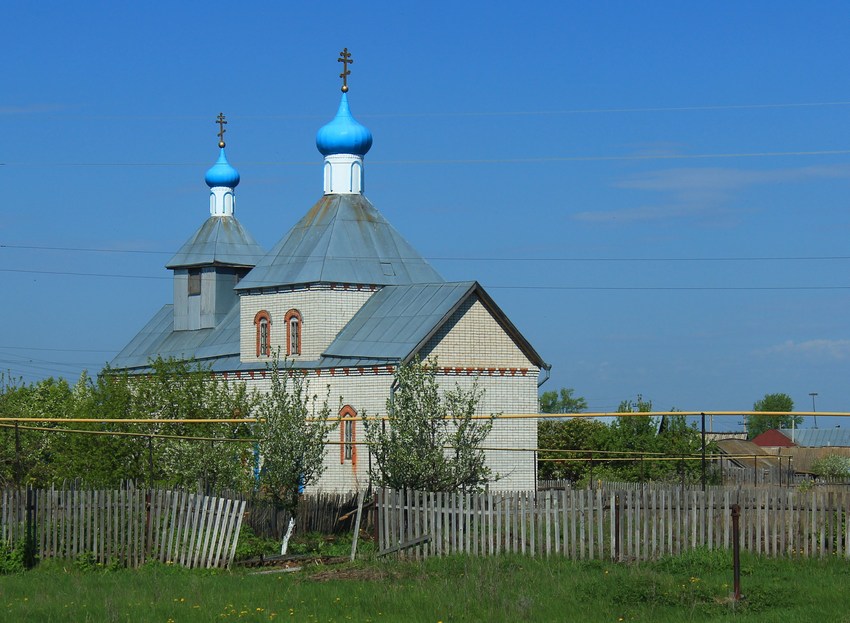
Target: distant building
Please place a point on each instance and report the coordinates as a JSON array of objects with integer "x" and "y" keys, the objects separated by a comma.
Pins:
[
  {"x": 804, "y": 438},
  {"x": 345, "y": 299}
]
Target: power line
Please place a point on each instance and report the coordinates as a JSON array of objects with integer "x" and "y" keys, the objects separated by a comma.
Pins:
[
  {"x": 497, "y": 287},
  {"x": 732, "y": 258},
  {"x": 541, "y": 159},
  {"x": 484, "y": 113}
]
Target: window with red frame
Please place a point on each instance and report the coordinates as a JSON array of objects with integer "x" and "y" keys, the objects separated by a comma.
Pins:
[{"x": 263, "y": 323}]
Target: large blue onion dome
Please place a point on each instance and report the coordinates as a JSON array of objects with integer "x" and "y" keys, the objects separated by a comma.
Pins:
[
  {"x": 221, "y": 173},
  {"x": 344, "y": 135}
]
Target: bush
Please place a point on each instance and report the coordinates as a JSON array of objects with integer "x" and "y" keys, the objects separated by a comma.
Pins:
[
  {"x": 832, "y": 466},
  {"x": 12, "y": 558}
]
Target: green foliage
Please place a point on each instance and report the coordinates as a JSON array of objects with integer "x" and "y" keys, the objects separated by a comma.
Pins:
[
  {"x": 562, "y": 401},
  {"x": 757, "y": 424},
  {"x": 250, "y": 545},
  {"x": 430, "y": 441},
  {"x": 171, "y": 390},
  {"x": 292, "y": 432},
  {"x": 12, "y": 558},
  {"x": 570, "y": 434},
  {"x": 625, "y": 449},
  {"x": 832, "y": 466}
]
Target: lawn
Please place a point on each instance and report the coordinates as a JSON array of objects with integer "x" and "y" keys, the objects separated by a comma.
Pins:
[{"x": 693, "y": 587}]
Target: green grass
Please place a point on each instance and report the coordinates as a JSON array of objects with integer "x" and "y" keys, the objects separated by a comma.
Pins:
[{"x": 694, "y": 587}]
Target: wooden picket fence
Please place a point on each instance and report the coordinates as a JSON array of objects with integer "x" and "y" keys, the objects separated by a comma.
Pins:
[
  {"x": 128, "y": 526},
  {"x": 613, "y": 525}
]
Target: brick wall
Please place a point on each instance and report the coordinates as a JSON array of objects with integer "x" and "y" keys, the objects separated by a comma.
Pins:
[{"x": 324, "y": 312}]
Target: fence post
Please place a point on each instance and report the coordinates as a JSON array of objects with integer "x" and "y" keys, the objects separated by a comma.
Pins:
[
  {"x": 703, "y": 453},
  {"x": 616, "y": 527},
  {"x": 736, "y": 551},
  {"x": 29, "y": 535}
]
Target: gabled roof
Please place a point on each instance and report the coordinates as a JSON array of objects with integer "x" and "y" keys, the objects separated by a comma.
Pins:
[
  {"x": 773, "y": 438},
  {"x": 397, "y": 321},
  {"x": 220, "y": 241},
  {"x": 342, "y": 239}
]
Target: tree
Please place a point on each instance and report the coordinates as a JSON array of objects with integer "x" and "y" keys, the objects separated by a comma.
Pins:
[
  {"x": 561, "y": 402},
  {"x": 429, "y": 441},
  {"x": 782, "y": 403},
  {"x": 569, "y": 434},
  {"x": 292, "y": 431}
]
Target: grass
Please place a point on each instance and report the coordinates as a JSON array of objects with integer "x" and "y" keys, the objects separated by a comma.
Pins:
[{"x": 693, "y": 587}]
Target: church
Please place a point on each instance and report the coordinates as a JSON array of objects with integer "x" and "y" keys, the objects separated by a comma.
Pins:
[{"x": 345, "y": 299}]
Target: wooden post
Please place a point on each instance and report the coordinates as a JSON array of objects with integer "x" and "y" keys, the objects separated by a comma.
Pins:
[{"x": 736, "y": 552}]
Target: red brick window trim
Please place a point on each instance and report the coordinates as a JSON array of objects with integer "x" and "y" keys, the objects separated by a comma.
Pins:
[
  {"x": 294, "y": 322},
  {"x": 347, "y": 435},
  {"x": 263, "y": 324}
]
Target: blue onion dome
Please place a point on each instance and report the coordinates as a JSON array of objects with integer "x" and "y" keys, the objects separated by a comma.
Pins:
[
  {"x": 221, "y": 173},
  {"x": 344, "y": 135}
]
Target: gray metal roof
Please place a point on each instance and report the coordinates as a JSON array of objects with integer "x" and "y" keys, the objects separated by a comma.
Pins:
[
  {"x": 342, "y": 239},
  {"x": 221, "y": 240},
  {"x": 393, "y": 325},
  {"x": 397, "y": 321},
  {"x": 819, "y": 437},
  {"x": 158, "y": 338}
]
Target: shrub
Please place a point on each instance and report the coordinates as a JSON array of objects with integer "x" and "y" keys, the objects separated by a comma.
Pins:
[{"x": 832, "y": 466}]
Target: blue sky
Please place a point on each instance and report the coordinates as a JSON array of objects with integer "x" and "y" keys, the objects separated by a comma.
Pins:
[{"x": 656, "y": 193}]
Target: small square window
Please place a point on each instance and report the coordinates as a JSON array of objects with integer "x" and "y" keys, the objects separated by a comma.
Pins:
[{"x": 194, "y": 282}]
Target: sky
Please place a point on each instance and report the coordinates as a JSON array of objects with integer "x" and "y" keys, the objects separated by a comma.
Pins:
[{"x": 655, "y": 193}]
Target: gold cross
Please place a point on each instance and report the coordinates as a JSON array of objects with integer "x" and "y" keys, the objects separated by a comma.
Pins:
[
  {"x": 346, "y": 60},
  {"x": 221, "y": 123}
]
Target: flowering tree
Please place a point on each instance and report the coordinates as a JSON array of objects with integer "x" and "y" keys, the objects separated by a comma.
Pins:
[
  {"x": 292, "y": 431},
  {"x": 430, "y": 441}
]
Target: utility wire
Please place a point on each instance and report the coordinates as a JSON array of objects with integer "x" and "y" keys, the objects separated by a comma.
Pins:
[
  {"x": 623, "y": 157},
  {"x": 741, "y": 258},
  {"x": 489, "y": 286}
]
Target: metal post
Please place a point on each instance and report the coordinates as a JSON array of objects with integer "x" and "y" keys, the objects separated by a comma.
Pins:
[
  {"x": 592, "y": 486},
  {"x": 18, "y": 470},
  {"x": 150, "y": 461},
  {"x": 813, "y": 394},
  {"x": 736, "y": 552},
  {"x": 703, "y": 452}
]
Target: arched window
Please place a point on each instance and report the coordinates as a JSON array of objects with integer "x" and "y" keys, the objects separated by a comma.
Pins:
[
  {"x": 293, "y": 332},
  {"x": 347, "y": 435},
  {"x": 263, "y": 323}
]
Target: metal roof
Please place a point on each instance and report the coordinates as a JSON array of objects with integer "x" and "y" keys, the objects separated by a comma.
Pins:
[
  {"x": 221, "y": 240},
  {"x": 342, "y": 239},
  {"x": 397, "y": 321},
  {"x": 393, "y": 325},
  {"x": 819, "y": 437},
  {"x": 158, "y": 338}
]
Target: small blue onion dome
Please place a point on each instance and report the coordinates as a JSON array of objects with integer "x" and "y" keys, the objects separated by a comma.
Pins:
[
  {"x": 221, "y": 173},
  {"x": 343, "y": 135}
]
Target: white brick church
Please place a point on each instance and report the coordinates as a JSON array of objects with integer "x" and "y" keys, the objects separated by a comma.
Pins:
[{"x": 345, "y": 299}]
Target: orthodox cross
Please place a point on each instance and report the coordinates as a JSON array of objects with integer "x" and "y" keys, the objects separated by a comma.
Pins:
[
  {"x": 221, "y": 123},
  {"x": 346, "y": 60}
]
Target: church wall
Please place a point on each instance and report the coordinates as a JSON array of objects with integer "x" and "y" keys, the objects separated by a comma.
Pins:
[
  {"x": 473, "y": 338},
  {"x": 367, "y": 393},
  {"x": 324, "y": 313}
]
